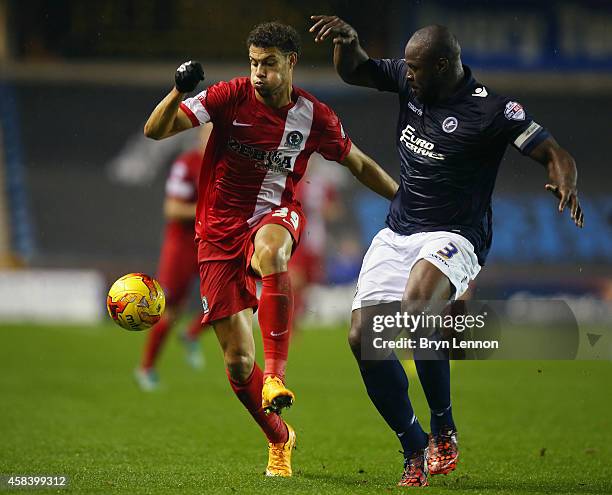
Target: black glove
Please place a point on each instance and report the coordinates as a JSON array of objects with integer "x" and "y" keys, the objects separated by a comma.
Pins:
[{"x": 188, "y": 75}]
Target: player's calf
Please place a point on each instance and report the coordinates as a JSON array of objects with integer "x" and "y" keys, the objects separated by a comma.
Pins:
[{"x": 239, "y": 365}]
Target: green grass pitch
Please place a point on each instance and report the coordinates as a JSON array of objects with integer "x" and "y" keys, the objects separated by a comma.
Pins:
[{"x": 69, "y": 406}]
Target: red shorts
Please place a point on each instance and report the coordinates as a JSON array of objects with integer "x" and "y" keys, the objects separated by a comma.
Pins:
[
  {"x": 178, "y": 263},
  {"x": 227, "y": 286}
]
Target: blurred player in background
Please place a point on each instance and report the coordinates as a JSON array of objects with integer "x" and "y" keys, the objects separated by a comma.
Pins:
[
  {"x": 248, "y": 221},
  {"x": 452, "y": 133},
  {"x": 178, "y": 264},
  {"x": 318, "y": 195}
]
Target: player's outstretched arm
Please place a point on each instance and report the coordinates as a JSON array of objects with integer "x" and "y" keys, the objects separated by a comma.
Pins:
[
  {"x": 349, "y": 56},
  {"x": 167, "y": 118},
  {"x": 563, "y": 176},
  {"x": 370, "y": 173}
]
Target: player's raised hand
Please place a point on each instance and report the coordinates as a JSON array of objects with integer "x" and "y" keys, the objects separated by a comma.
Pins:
[
  {"x": 568, "y": 196},
  {"x": 188, "y": 75},
  {"x": 562, "y": 175},
  {"x": 330, "y": 25}
]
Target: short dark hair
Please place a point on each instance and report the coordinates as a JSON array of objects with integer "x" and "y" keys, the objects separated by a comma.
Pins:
[{"x": 275, "y": 35}]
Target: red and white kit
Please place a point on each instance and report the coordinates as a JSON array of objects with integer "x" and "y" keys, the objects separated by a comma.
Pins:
[
  {"x": 254, "y": 158},
  {"x": 178, "y": 264}
]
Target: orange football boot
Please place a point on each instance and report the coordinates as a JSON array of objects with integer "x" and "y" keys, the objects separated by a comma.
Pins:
[{"x": 279, "y": 456}]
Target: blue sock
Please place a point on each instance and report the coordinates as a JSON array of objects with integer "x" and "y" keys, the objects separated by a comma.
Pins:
[
  {"x": 435, "y": 380},
  {"x": 387, "y": 386}
]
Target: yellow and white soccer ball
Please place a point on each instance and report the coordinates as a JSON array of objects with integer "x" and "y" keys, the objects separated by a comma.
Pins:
[{"x": 136, "y": 301}]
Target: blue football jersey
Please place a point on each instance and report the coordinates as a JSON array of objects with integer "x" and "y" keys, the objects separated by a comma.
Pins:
[{"x": 450, "y": 154}]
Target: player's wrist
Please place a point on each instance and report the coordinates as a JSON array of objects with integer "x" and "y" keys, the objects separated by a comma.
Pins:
[
  {"x": 177, "y": 92},
  {"x": 351, "y": 43}
]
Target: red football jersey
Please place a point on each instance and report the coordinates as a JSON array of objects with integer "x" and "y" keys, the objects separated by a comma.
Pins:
[
  {"x": 254, "y": 158},
  {"x": 182, "y": 183}
]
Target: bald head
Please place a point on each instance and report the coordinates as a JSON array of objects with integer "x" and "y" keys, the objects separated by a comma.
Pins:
[
  {"x": 435, "y": 42},
  {"x": 433, "y": 57}
]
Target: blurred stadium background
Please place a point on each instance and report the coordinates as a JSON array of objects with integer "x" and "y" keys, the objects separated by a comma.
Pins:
[
  {"x": 81, "y": 188},
  {"x": 81, "y": 195}
]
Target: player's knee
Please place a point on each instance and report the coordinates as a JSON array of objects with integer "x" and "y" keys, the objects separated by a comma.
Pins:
[
  {"x": 272, "y": 257},
  {"x": 239, "y": 365}
]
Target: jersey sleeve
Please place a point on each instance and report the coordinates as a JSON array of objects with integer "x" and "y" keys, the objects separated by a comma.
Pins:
[
  {"x": 511, "y": 122},
  {"x": 180, "y": 183},
  {"x": 208, "y": 105},
  {"x": 387, "y": 74},
  {"x": 334, "y": 144}
]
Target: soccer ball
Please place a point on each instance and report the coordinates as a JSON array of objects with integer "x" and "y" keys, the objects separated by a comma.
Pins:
[{"x": 135, "y": 301}]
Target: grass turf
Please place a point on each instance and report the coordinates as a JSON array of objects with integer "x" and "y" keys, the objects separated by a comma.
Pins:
[{"x": 69, "y": 406}]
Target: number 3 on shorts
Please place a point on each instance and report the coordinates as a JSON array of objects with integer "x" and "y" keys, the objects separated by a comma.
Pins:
[{"x": 294, "y": 218}]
